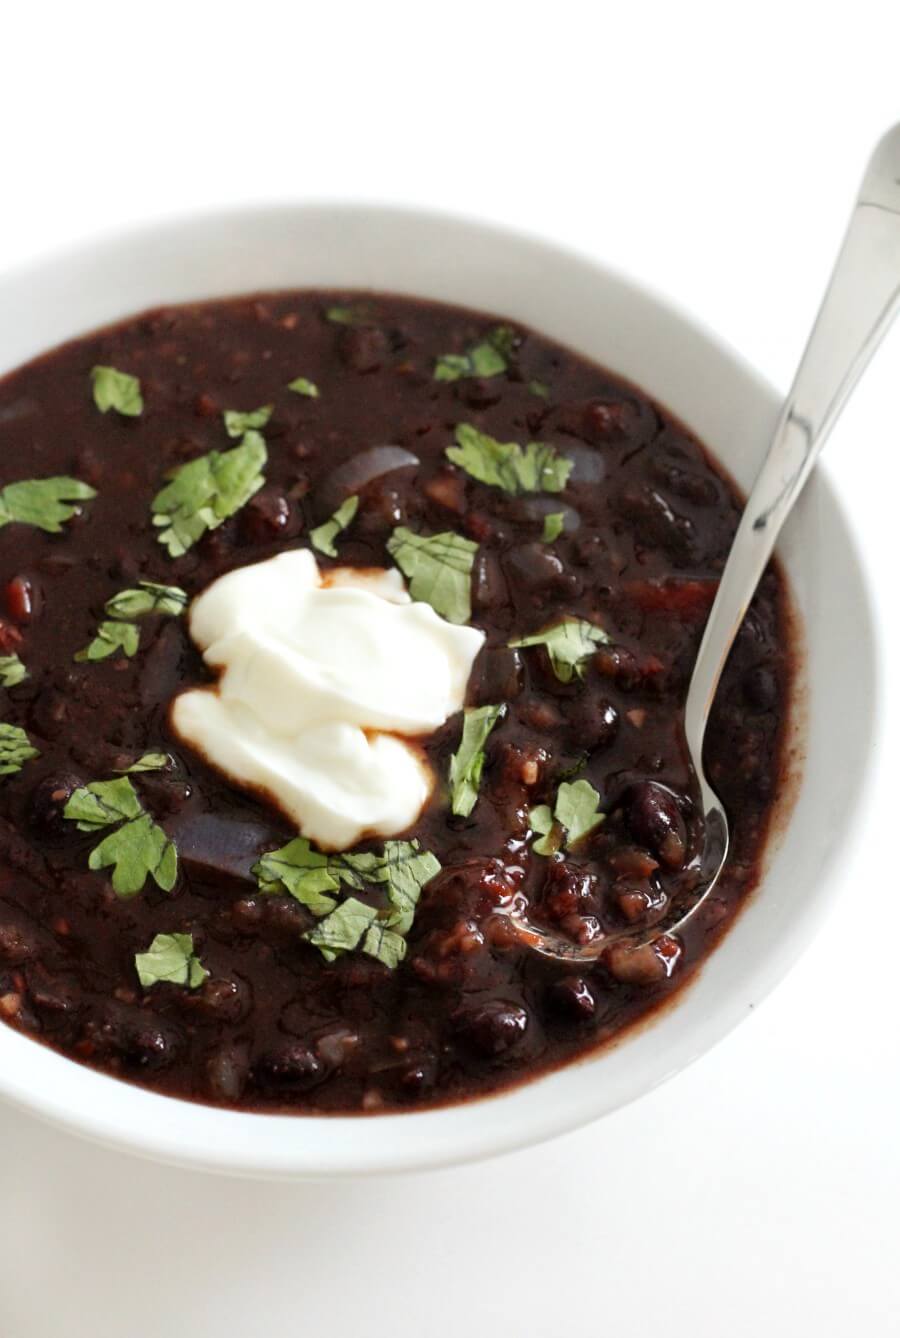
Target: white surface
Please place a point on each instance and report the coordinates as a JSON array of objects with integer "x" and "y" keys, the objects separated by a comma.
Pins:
[{"x": 712, "y": 152}]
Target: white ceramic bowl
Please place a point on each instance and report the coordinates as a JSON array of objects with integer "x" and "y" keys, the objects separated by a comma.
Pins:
[{"x": 577, "y": 302}]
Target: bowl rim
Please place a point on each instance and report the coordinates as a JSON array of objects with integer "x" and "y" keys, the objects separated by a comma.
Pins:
[{"x": 161, "y": 1140}]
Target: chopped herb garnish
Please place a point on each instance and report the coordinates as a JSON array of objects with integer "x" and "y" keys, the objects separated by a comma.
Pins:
[
  {"x": 111, "y": 637},
  {"x": 302, "y": 386},
  {"x": 136, "y": 848},
  {"x": 121, "y": 635},
  {"x": 323, "y": 536},
  {"x": 342, "y": 315},
  {"x": 15, "y": 749},
  {"x": 205, "y": 491},
  {"x": 438, "y": 568},
  {"x": 237, "y": 423},
  {"x": 569, "y": 644},
  {"x": 170, "y": 957},
  {"x": 489, "y": 357},
  {"x": 313, "y": 877},
  {"x": 117, "y": 390},
  {"x": 44, "y": 503},
  {"x": 342, "y": 929},
  {"x": 575, "y": 814},
  {"x": 553, "y": 526},
  {"x": 12, "y": 671},
  {"x": 540, "y": 389},
  {"x": 148, "y": 762},
  {"x": 467, "y": 762},
  {"x": 147, "y": 597},
  {"x": 535, "y": 467}
]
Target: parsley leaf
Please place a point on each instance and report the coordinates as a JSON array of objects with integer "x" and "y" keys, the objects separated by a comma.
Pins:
[
  {"x": 341, "y": 930},
  {"x": 553, "y": 526},
  {"x": 569, "y": 644},
  {"x": 148, "y": 762},
  {"x": 136, "y": 848},
  {"x": 489, "y": 357},
  {"x": 467, "y": 762},
  {"x": 302, "y": 871},
  {"x": 534, "y": 468},
  {"x": 170, "y": 957},
  {"x": 301, "y": 386},
  {"x": 237, "y": 423},
  {"x": 102, "y": 803},
  {"x": 438, "y": 568},
  {"x": 15, "y": 749},
  {"x": 117, "y": 390},
  {"x": 323, "y": 536},
  {"x": 205, "y": 491},
  {"x": 575, "y": 814},
  {"x": 148, "y": 597},
  {"x": 43, "y": 502},
  {"x": 111, "y": 637},
  {"x": 12, "y": 671}
]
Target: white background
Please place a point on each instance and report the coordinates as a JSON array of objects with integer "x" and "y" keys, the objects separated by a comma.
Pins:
[{"x": 712, "y": 151}]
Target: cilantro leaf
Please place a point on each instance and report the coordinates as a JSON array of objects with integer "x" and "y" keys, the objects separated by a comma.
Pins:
[
  {"x": 102, "y": 803},
  {"x": 15, "y": 749},
  {"x": 205, "y": 491},
  {"x": 489, "y": 357},
  {"x": 575, "y": 814},
  {"x": 302, "y": 386},
  {"x": 438, "y": 568},
  {"x": 111, "y": 637},
  {"x": 385, "y": 944},
  {"x": 534, "y": 468},
  {"x": 569, "y": 644},
  {"x": 237, "y": 423},
  {"x": 170, "y": 957},
  {"x": 117, "y": 390},
  {"x": 404, "y": 869},
  {"x": 550, "y": 836},
  {"x": 147, "y": 762},
  {"x": 341, "y": 930},
  {"x": 135, "y": 850},
  {"x": 467, "y": 762},
  {"x": 147, "y": 597},
  {"x": 12, "y": 671},
  {"x": 44, "y": 503},
  {"x": 540, "y": 389},
  {"x": 305, "y": 873},
  {"x": 554, "y": 522},
  {"x": 323, "y": 536}
]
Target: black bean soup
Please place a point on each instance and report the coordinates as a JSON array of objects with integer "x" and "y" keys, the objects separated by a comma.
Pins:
[{"x": 139, "y": 931}]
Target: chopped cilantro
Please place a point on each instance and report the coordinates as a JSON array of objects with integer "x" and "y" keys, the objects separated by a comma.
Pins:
[
  {"x": 12, "y": 671},
  {"x": 237, "y": 423},
  {"x": 554, "y": 522},
  {"x": 15, "y": 749},
  {"x": 323, "y": 536},
  {"x": 301, "y": 386},
  {"x": 45, "y": 503},
  {"x": 489, "y": 357},
  {"x": 569, "y": 644},
  {"x": 205, "y": 491},
  {"x": 438, "y": 568},
  {"x": 535, "y": 467},
  {"x": 170, "y": 957},
  {"x": 575, "y": 814},
  {"x": 467, "y": 762},
  {"x": 117, "y": 390},
  {"x": 136, "y": 849}
]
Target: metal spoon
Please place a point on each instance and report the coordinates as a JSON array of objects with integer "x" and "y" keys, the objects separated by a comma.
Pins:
[{"x": 859, "y": 306}]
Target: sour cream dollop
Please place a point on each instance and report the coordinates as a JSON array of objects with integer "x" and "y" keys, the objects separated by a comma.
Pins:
[{"x": 318, "y": 677}]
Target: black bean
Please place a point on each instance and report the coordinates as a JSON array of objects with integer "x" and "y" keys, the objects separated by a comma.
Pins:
[
  {"x": 266, "y": 517},
  {"x": 491, "y": 1028},
  {"x": 292, "y": 1067},
  {"x": 760, "y": 688},
  {"x": 653, "y": 818},
  {"x": 362, "y": 348},
  {"x": 499, "y": 675},
  {"x": 572, "y": 998},
  {"x": 17, "y": 944},
  {"x": 47, "y": 801}
]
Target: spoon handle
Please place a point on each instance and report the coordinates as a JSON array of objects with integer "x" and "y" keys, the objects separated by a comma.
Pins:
[{"x": 859, "y": 305}]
